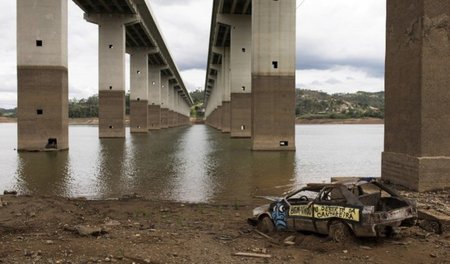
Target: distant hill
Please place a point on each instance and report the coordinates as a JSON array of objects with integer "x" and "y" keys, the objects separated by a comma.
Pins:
[
  {"x": 319, "y": 105},
  {"x": 8, "y": 112}
]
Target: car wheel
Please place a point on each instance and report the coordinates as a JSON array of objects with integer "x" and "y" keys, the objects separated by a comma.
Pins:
[
  {"x": 265, "y": 225},
  {"x": 340, "y": 232}
]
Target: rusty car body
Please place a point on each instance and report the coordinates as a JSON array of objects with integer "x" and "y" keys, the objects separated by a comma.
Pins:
[{"x": 361, "y": 207}]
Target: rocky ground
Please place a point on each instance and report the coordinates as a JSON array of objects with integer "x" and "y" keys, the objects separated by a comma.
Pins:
[{"x": 132, "y": 230}]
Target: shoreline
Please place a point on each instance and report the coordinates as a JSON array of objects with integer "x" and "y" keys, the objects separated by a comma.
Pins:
[
  {"x": 358, "y": 121},
  {"x": 351, "y": 121},
  {"x": 52, "y": 229}
]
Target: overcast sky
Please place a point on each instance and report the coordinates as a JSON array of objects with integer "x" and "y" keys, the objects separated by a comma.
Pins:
[{"x": 340, "y": 45}]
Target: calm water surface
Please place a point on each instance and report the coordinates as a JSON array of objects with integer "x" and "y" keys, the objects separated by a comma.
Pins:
[{"x": 190, "y": 164}]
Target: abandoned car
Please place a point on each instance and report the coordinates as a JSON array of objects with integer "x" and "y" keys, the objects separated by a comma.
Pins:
[{"x": 359, "y": 207}]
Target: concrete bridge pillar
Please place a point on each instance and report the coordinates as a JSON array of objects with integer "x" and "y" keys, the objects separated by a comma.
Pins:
[
  {"x": 240, "y": 59},
  {"x": 164, "y": 101},
  {"x": 111, "y": 72},
  {"x": 417, "y": 122},
  {"x": 170, "y": 105},
  {"x": 139, "y": 90},
  {"x": 154, "y": 105},
  {"x": 42, "y": 75},
  {"x": 273, "y": 74},
  {"x": 226, "y": 91}
]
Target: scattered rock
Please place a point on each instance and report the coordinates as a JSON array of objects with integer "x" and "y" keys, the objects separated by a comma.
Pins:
[
  {"x": 112, "y": 223},
  {"x": 83, "y": 230},
  {"x": 10, "y": 192},
  {"x": 365, "y": 247},
  {"x": 290, "y": 240},
  {"x": 3, "y": 203}
]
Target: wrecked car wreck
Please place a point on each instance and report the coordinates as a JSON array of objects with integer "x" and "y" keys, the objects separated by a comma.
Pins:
[{"x": 359, "y": 207}]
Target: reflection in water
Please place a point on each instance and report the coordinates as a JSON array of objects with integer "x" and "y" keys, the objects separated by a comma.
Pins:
[
  {"x": 193, "y": 182},
  {"x": 53, "y": 171},
  {"x": 192, "y": 164},
  {"x": 110, "y": 178}
]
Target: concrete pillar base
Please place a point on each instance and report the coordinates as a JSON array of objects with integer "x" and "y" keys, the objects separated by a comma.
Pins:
[
  {"x": 170, "y": 119},
  {"x": 138, "y": 116},
  {"x": 42, "y": 108},
  {"x": 273, "y": 114},
  {"x": 154, "y": 117},
  {"x": 164, "y": 117},
  {"x": 241, "y": 115},
  {"x": 219, "y": 118},
  {"x": 226, "y": 117},
  {"x": 111, "y": 114},
  {"x": 416, "y": 173}
]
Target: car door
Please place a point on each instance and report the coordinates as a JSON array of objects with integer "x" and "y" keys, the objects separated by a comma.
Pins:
[
  {"x": 300, "y": 214},
  {"x": 328, "y": 199}
]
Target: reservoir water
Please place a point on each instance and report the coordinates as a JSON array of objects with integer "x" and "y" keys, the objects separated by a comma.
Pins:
[{"x": 188, "y": 164}]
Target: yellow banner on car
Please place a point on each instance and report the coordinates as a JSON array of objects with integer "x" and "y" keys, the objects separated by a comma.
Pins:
[{"x": 325, "y": 212}]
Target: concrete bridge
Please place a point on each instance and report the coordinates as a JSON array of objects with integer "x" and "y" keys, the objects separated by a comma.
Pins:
[
  {"x": 159, "y": 98},
  {"x": 250, "y": 83}
]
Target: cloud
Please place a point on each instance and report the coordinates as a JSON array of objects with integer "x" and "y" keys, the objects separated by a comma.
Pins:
[
  {"x": 338, "y": 79},
  {"x": 194, "y": 78},
  {"x": 342, "y": 33}
]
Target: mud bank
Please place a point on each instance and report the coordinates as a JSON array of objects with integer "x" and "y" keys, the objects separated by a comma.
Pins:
[{"x": 132, "y": 230}]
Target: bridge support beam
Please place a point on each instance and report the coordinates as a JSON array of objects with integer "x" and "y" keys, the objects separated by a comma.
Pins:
[
  {"x": 417, "y": 124},
  {"x": 42, "y": 75},
  {"x": 226, "y": 92},
  {"x": 139, "y": 90},
  {"x": 240, "y": 75},
  {"x": 111, "y": 72},
  {"x": 273, "y": 74},
  {"x": 154, "y": 105},
  {"x": 164, "y": 101},
  {"x": 170, "y": 99}
]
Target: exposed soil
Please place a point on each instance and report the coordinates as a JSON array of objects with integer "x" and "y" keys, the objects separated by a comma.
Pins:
[
  {"x": 358, "y": 121},
  {"x": 132, "y": 230},
  {"x": 4, "y": 119}
]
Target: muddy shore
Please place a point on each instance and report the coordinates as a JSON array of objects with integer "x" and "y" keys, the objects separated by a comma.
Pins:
[{"x": 133, "y": 230}]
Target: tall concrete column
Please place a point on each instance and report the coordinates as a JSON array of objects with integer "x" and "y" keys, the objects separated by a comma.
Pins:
[
  {"x": 218, "y": 86},
  {"x": 154, "y": 106},
  {"x": 226, "y": 92},
  {"x": 164, "y": 101},
  {"x": 139, "y": 90},
  {"x": 417, "y": 123},
  {"x": 111, "y": 72},
  {"x": 273, "y": 74},
  {"x": 42, "y": 75},
  {"x": 170, "y": 105},
  {"x": 240, "y": 64}
]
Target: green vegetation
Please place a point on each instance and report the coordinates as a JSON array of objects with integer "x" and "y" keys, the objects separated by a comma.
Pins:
[
  {"x": 87, "y": 108},
  {"x": 84, "y": 107},
  {"x": 197, "y": 110},
  {"x": 8, "y": 112},
  {"x": 320, "y": 105},
  {"x": 309, "y": 105}
]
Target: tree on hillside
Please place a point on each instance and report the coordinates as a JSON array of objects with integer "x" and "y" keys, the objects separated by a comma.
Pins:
[{"x": 197, "y": 96}]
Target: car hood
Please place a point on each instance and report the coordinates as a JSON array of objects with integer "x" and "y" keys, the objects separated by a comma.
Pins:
[{"x": 271, "y": 198}]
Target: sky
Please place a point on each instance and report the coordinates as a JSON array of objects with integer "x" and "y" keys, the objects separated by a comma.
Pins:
[{"x": 340, "y": 45}]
